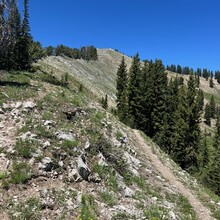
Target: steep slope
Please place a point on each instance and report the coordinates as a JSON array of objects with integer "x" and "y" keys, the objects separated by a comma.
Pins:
[
  {"x": 67, "y": 158},
  {"x": 98, "y": 76}
]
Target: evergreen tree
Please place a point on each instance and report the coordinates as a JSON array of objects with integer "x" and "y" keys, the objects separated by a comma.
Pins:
[
  {"x": 200, "y": 99},
  {"x": 216, "y": 143},
  {"x": 121, "y": 86},
  {"x": 212, "y": 178},
  {"x": 178, "y": 140},
  {"x": 186, "y": 139},
  {"x": 179, "y": 69},
  {"x": 25, "y": 40},
  {"x": 204, "y": 153},
  {"x": 207, "y": 115},
  {"x": 163, "y": 138},
  {"x": 212, "y": 107},
  {"x": 134, "y": 91},
  {"x": 159, "y": 99},
  {"x": 211, "y": 84}
]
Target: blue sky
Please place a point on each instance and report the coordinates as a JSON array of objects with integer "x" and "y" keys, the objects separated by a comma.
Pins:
[{"x": 185, "y": 32}]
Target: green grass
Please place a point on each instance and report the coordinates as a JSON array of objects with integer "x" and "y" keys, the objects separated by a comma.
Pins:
[
  {"x": 108, "y": 198},
  {"x": 216, "y": 97},
  {"x": 155, "y": 212},
  {"x": 88, "y": 208},
  {"x": 25, "y": 148},
  {"x": 26, "y": 210},
  {"x": 21, "y": 173}
]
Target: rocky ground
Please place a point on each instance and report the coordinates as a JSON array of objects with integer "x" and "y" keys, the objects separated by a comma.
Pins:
[{"x": 62, "y": 156}]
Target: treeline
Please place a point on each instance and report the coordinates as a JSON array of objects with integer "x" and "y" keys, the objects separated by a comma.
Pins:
[
  {"x": 169, "y": 113},
  {"x": 205, "y": 73},
  {"x": 17, "y": 47},
  {"x": 86, "y": 53}
]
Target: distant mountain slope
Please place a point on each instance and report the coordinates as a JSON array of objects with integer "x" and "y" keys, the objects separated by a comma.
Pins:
[{"x": 99, "y": 76}]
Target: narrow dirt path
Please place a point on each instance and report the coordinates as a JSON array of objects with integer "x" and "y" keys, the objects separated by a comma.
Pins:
[{"x": 202, "y": 212}]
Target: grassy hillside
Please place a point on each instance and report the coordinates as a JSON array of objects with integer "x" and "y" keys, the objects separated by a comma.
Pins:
[{"x": 62, "y": 156}]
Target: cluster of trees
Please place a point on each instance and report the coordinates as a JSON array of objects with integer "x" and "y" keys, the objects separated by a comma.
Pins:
[
  {"x": 205, "y": 73},
  {"x": 86, "y": 53},
  {"x": 17, "y": 47},
  {"x": 167, "y": 111},
  {"x": 15, "y": 38}
]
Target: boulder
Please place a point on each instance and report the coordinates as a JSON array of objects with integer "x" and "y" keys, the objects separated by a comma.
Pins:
[
  {"x": 74, "y": 176},
  {"x": 29, "y": 105},
  {"x": 82, "y": 168},
  {"x": 46, "y": 164},
  {"x": 65, "y": 136},
  {"x": 94, "y": 177}
]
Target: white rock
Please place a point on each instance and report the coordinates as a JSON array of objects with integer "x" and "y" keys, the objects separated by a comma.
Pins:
[
  {"x": 83, "y": 169},
  {"x": 29, "y": 105},
  {"x": 65, "y": 136},
  {"x": 172, "y": 215},
  {"x": 46, "y": 145}
]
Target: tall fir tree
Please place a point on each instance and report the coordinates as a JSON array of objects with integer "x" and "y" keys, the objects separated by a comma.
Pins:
[
  {"x": 121, "y": 86},
  {"x": 134, "y": 92},
  {"x": 212, "y": 178},
  {"x": 207, "y": 115},
  {"x": 163, "y": 138},
  {"x": 25, "y": 40},
  {"x": 212, "y": 107}
]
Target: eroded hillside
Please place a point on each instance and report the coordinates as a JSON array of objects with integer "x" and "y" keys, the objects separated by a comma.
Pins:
[{"x": 62, "y": 156}]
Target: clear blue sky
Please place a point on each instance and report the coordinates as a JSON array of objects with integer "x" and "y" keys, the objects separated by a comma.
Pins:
[{"x": 185, "y": 32}]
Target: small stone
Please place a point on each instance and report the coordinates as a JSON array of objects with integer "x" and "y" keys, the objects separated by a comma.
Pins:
[
  {"x": 46, "y": 164},
  {"x": 172, "y": 215},
  {"x": 46, "y": 145},
  {"x": 65, "y": 136},
  {"x": 60, "y": 163},
  {"x": 29, "y": 105}
]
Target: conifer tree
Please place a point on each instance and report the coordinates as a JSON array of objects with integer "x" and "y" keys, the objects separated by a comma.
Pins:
[
  {"x": 207, "y": 115},
  {"x": 186, "y": 139},
  {"x": 163, "y": 138},
  {"x": 134, "y": 91},
  {"x": 25, "y": 40},
  {"x": 121, "y": 86},
  {"x": 211, "y": 84},
  {"x": 160, "y": 94},
  {"x": 204, "y": 153},
  {"x": 200, "y": 99},
  {"x": 212, "y": 178},
  {"x": 216, "y": 143},
  {"x": 212, "y": 107}
]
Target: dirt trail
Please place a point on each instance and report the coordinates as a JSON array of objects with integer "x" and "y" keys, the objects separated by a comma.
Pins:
[{"x": 201, "y": 211}]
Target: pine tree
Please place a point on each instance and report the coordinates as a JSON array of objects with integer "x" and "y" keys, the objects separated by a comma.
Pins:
[
  {"x": 134, "y": 91},
  {"x": 179, "y": 69},
  {"x": 216, "y": 143},
  {"x": 212, "y": 107},
  {"x": 121, "y": 86},
  {"x": 186, "y": 139},
  {"x": 207, "y": 115},
  {"x": 204, "y": 152},
  {"x": 25, "y": 40},
  {"x": 178, "y": 141},
  {"x": 212, "y": 178},
  {"x": 211, "y": 84}
]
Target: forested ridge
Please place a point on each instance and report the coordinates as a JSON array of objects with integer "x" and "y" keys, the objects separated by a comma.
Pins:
[{"x": 170, "y": 113}]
